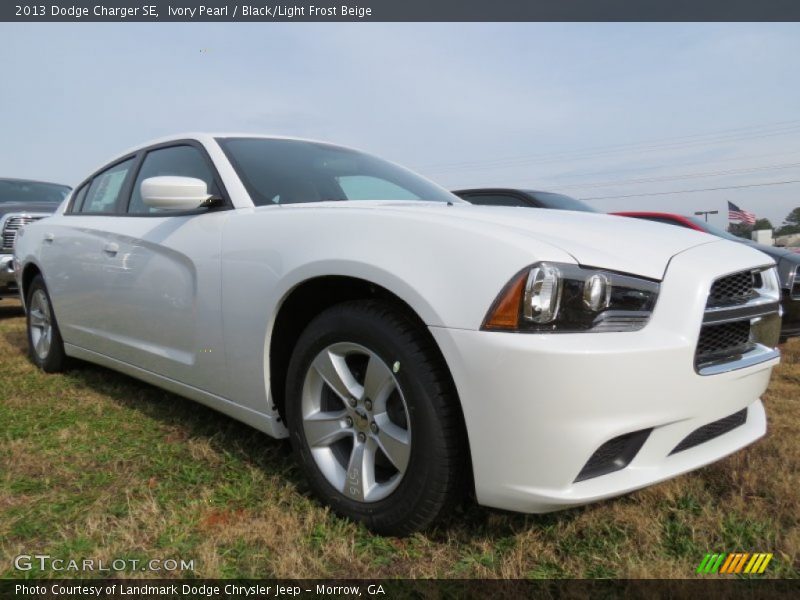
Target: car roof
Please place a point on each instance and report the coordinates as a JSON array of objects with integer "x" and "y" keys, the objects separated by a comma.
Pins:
[{"x": 209, "y": 137}]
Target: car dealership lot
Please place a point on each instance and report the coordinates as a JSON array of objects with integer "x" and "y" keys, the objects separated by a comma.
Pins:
[{"x": 93, "y": 463}]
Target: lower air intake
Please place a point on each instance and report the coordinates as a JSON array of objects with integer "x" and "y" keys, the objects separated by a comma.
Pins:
[
  {"x": 615, "y": 454},
  {"x": 712, "y": 430}
]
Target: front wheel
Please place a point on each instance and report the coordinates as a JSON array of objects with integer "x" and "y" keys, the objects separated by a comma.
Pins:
[
  {"x": 45, "y": 347},
  {"x": 374, "y": 419}
]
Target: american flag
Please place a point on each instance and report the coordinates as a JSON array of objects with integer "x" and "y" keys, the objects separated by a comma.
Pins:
[{"x": 737, "y": 214}]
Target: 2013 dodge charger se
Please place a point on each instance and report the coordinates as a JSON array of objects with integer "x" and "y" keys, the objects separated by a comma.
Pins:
[{"x": 409, "y": 343}]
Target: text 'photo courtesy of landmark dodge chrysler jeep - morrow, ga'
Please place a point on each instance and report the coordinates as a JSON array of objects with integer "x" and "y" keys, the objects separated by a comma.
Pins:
[{"x": 409, "y": 343}]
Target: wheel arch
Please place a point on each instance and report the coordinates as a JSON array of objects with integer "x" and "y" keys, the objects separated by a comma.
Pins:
[
  {"x": 29, "y": 272},
  {"x": 312, "y": 296}
]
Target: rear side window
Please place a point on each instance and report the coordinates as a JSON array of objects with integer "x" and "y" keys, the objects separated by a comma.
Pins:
[
  {"x": 80, "y": 196},
  {"x": 105, "y": 189},
  {"x": 495, "y": 200},
  {"x": 181, "y": 161}
]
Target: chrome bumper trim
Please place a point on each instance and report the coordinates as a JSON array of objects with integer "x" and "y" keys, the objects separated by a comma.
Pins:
[{"x": 753, "y": 357}]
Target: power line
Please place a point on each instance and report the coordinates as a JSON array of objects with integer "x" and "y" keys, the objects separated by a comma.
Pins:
[
  {"x": 665, "y": 143},
  {"x": 556, "y": 158},
  {"x": 743, "y": 170},
  {"x": 657, "y": 142},
  {"x": 714, "y": 189},
  {"x": 553, "y": 182}
]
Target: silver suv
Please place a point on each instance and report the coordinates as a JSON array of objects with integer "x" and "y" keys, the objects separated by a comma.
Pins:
[{"x": 21, "y": 202}]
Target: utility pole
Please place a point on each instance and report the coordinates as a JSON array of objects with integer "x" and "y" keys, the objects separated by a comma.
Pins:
[{"x": 706, "y": 213}]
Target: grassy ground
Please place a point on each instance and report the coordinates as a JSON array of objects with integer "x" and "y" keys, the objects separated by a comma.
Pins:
[{"x": 95, "y": 464}]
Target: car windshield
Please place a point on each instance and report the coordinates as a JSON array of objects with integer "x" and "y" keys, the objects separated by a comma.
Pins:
[
  {"x": 279, "y": 171},
  {"x": 16, "y": 190},
  {"x": 560, "y": 201},
  {"x": 716, "y": 230}
]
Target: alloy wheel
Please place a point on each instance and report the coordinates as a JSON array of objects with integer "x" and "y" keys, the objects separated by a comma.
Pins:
[
  {"x": 356, "y": 421},
  {"x": 41, "y": 324}
]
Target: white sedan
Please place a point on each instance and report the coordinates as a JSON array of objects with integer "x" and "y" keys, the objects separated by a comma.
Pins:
[{"x": 411, "y": 345}]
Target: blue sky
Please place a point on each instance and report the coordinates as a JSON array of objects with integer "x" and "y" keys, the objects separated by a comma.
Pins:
[{"x": 593, "y": 110}]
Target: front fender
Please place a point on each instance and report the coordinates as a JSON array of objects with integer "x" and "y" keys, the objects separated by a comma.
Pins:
[{"x": 449, "y": 273}]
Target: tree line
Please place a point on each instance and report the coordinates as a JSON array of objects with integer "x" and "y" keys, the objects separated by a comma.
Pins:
[{"x": 791, "y": 224}]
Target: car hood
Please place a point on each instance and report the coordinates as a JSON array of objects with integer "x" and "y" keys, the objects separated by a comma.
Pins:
[
  {"x": 27, "y": 207},
  {"x": 593, "y": 239}
]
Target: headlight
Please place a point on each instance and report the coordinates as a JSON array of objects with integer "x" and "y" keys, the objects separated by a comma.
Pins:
[{"x": 564, "y": 298}]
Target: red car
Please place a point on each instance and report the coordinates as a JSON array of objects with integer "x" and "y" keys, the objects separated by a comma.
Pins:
[{"x": 788, "y": 262}]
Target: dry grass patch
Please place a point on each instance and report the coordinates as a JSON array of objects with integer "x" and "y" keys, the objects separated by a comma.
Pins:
[{"x": 95, "y": 464}]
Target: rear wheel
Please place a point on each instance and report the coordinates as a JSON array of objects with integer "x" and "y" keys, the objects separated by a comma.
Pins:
[
  {"x": 373, "y": 418},
  {"x": 45, "y": 346}
]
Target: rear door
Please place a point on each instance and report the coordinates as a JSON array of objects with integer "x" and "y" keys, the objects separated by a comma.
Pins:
[{"x": 78, "y": 257}]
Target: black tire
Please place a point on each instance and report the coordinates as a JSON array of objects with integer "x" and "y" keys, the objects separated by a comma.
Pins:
[
  {"x": 436, "y": 469},
  {"x": 54, "y": 359}
]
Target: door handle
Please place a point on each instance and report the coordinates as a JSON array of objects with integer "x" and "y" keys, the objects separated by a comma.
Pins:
[
  {"x": 49, "y": 237},
  {"x": 111, "y": 248}
]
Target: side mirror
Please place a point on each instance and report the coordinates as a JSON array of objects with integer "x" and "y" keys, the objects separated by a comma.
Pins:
[{"x": 174, "y": 193}]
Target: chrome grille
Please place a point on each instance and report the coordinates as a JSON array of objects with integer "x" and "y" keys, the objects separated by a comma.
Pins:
[
  {"x": 740, "y": 321},
  {"x": 733, "y": 289},
  {"x": 723, "y": 340},
  {"x": 14, "y": 223}
]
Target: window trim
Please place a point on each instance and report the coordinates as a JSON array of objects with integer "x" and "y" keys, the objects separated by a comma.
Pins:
[
  {"x": 226, "y": 201},
  {"x": 81, "y": 189},
  {"x": 89, "y": 180},
  {"x": 126, "y": 191}
]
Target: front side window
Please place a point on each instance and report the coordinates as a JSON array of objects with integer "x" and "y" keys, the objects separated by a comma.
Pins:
[
  {"x": 105, "y": 189},
  {"x": 276, "y": 171},
  {"x": 180, "y": 161}
]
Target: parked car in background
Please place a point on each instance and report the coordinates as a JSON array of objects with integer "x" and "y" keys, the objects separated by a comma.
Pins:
[
  {"x": 400, "y": 336},
  {"x": 22, "y": 202},
  {"x": 517, "y": 197},
  {"x": 787, "y": 260}
]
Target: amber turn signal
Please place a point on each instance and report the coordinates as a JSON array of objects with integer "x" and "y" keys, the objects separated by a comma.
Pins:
[{"x": 505, "y": 312}]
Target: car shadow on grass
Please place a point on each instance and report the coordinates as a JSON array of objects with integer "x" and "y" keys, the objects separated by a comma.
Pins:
[
  {"x": 225, "y": 435},
  {"x": 10, "y": 310}
]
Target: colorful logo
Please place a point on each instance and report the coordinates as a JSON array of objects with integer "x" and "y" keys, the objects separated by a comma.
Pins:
[{"x": 737, "y": 562}]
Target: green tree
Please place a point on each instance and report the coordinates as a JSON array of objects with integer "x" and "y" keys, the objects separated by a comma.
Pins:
[
  {"x": 791, "y": 224},
  {"x": 793, "y": 218},
  {"x": 741, "y": 230},
  {"x": 762, "y": 224}
]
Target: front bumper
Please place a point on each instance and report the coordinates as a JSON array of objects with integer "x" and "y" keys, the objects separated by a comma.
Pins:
[
  {"x": 537, "y": 407},
  {"x": 8, "y": 284},
  {"x": 790, "y": 326}
]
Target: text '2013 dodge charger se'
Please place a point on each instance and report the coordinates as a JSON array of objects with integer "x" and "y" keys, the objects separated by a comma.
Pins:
[{"x": 407, "y": 342}]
